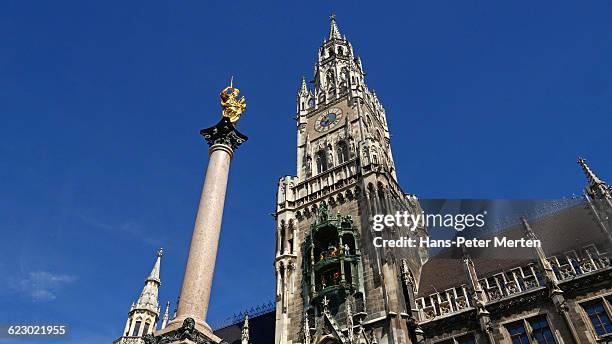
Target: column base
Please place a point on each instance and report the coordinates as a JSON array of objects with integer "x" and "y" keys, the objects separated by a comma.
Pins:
[{"x": 189, "y": 332}]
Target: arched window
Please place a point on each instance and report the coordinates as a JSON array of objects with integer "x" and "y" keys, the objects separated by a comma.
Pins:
[
  {"x": 145, "y": 330},
  {"x": 136, "y": 328},
  {"x": 308, "y": 166},
  {"x": 340, "y": 51},
  {"x": 343, "y": 154},
  {"x": 282, "y": 240},
  {"x": 321, "y": 161}
]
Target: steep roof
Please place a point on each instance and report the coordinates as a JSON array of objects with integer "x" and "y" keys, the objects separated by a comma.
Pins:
[
  {"x": 568, "y": 229},
  {"x": 261, "y": 330}
]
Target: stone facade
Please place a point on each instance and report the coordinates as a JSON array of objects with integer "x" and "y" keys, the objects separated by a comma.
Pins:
[
  {"x": 333, "y": 286},
  {"x": 345, "y": 169}
]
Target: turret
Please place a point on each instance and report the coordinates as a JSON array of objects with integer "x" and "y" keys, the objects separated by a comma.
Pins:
[
  {"x": 596, "y": 188},
  {"x": 244, "y": 338},
  {"x": 143, "y": 315}
]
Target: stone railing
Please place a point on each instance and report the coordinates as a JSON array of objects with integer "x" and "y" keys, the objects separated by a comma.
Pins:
[
  {"x": 443, "y": 303},
  {"x": 509, "y": 283}
]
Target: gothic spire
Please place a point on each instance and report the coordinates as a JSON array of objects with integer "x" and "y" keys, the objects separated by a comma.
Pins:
[
  {"x": 154, "y": 275},
  {"x": 245, "y": 330},
  {"x": 334, "y": 32},
  {"x": 303, "y": 86},
  {"x": 596, "y": 188},
  {"x": 591, "y": 176},
  {"x": 148, "y": 297},
  {"x": 165, "y": 319},
  {"x": 143, "y": 315}
]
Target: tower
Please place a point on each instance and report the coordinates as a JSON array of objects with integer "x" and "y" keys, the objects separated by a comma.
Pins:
[
  {"x": 333, "y": 285},
  {"x": 599, "y": 196},
  {"x": 143, "y": 315}
]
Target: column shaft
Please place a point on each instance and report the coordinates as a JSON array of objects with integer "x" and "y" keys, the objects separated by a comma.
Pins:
[{"x": 197, "y": 282}]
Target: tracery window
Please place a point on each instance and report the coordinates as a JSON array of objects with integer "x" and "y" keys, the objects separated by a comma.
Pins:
[
  {"x": 536, "y": 328},
  {"x": 599, "y": 316},
  {"x": 145, "y": 330},
  {"x": 136, "y": 328},
  {"x": 321, "y": 161}
]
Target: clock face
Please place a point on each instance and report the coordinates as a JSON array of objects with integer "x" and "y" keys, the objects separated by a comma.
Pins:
[{"x": 327, "y": 120}]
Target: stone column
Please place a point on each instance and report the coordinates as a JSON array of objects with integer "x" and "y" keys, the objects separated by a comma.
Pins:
[{"x": 223, "y": 140}]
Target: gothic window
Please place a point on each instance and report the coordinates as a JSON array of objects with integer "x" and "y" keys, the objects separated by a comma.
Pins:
[
  {"x": 600, "y": 318},
  {"x": 331, "y": 52},
  {"x": 518, "y": 333},
  {"x": 282, "y": 240},
  {"x": 343, "y": 154},
  {"x": 330, "y": 77},
  {"x": 536, "y": 327},
  {"x": 145, "y": 330},
  {"x": 379, "y": 135},
  {"x": 344, "y": 76},
  {"x": 136, "y": 328},
  {"x": 308, "y": 166},
  {"x": 321, "y": 161},
  {"x": 340, "y": 51},
  {"x": 282, "y": 284},
  {"x": 311, "y": 103},
  {"x": 330, "y": 156},
  {"x": 467, "y": 339},
  {"x": 541, "y": 330}
]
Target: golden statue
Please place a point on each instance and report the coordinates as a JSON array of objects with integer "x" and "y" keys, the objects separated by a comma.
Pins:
[{"x": 231, "y": 105}]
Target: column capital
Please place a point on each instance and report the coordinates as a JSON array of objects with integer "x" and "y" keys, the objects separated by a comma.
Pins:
[{"x": 224, "y": 133}]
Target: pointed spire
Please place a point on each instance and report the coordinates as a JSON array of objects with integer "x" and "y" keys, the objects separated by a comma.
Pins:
[
  {"x": 245, "y": 330},
  {"x": 349, "y": 321},
  {"x": 148, "y": 297},
  {"x": 307, "y": 339},
  {"x": 334, "y": 32},
  {"x": 597, "y": 188},
  {"x": 165, "y": 319},
  {"x": 591, "y": 176},
  {"x": 154, "y": 275},
  {"x": 303, "y": 87}
]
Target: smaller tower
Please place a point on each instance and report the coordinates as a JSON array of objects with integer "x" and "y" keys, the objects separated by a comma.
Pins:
[
  {"x": 599, "y": 197},
  {"x": 245, "y": 330},
  {"x": 143, "y": 315},
  {"x": 165, "y": 318},
  {"x": 597, "y": 188}
]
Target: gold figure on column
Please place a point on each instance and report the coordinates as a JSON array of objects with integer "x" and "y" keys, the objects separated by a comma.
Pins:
[{"x": 231, "y": 105}]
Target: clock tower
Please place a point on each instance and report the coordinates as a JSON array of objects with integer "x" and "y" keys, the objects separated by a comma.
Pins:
[{"x": 333, "y": 285}]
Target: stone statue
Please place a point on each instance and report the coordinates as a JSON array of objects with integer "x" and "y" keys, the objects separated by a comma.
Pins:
[{"x": 231, "y": 105}]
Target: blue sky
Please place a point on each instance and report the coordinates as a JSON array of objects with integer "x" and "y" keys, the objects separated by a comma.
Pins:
[{"x": 101, "y": 103}]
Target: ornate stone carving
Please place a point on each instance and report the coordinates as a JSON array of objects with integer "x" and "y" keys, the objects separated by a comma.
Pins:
[
  {"x": 187, "y": 331},
  {"x": 224, "y": 133}
]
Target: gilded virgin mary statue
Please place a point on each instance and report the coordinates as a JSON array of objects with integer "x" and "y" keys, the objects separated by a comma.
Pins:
[{"x": 231, "y": 105}]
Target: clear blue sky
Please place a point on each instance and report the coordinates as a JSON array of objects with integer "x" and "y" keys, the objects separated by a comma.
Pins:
[{"x": 101, "y": 103}]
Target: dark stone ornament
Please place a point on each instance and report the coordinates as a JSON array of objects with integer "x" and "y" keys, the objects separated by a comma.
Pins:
[
  {"x": 186, "y": 331},
  {"x": 224, "y": 133}
]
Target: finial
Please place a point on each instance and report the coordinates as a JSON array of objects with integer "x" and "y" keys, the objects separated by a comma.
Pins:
[
  {"x": 303, "y": 86},
  {"x": 325, "y": 302},
  {"x": 160, "y": 252}
]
